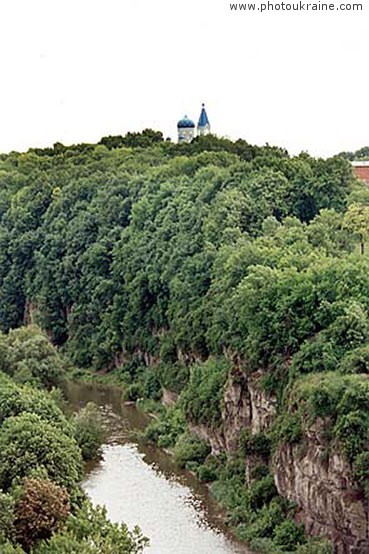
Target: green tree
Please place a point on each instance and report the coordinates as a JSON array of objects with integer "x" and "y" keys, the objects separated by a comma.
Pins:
[
  {"x": 356, "y": 220},
  {"x": 27, "y": 442}
]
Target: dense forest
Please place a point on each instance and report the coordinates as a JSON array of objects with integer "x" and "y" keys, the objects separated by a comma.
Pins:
[{"x": 183, "y": 268}]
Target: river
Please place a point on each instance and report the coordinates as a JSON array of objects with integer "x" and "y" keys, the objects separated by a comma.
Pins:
[{"x": 141, "y": 485}]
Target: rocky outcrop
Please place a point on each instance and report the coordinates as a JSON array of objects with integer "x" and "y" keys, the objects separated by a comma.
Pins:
[
  {"x": 214, "y": 437},
  {"x": 312, "y": 475},
  {"x": 318, "y": 480},
  {"x": 246, "y": 406}
]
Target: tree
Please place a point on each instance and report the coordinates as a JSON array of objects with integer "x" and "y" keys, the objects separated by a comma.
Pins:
[
  {"x": 356, "y": 219},
  {"x": 28, "y": 443},
  {"x": 40, "y": 510},
  {"x": 90, "y": 532},
  {"x": 89, "y": 432}
]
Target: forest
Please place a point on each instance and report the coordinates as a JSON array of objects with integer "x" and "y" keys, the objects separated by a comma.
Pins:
[{"x": 182, "y": 267}]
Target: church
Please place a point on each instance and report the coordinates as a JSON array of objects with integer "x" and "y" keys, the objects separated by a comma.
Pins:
[{"x": 187, "y": 128}]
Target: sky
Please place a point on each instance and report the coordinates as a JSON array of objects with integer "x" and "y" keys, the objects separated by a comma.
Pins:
[{"x": 74, "y": 71}]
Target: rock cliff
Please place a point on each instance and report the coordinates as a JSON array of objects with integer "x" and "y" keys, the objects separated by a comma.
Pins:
[
  {"x": 317, "y": 479},
  {"x": 313, "y": 475}
]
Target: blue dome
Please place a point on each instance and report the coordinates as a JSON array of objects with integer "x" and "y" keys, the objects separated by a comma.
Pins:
[{"x": 185, "y": 123}]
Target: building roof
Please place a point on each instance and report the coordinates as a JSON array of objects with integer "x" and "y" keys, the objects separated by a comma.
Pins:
[
  {"x": 203, "y": 120},
  {"x": 360, "y": 163},
  {"x": 185, "y": 123}
]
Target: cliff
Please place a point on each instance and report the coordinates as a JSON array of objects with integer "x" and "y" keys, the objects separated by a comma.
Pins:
[
  {"x": 318, "y": 480},
  {"x": 312, "y": 473}
]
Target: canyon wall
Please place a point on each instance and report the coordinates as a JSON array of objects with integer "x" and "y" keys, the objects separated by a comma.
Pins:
[{"x": 313, "y": 474}]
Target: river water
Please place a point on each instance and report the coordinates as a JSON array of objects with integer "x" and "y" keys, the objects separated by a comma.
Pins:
[{"x": 141, "y": 485}]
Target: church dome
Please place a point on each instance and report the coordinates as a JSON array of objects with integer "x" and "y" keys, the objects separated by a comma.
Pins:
[{"x": 185, "y": 123}]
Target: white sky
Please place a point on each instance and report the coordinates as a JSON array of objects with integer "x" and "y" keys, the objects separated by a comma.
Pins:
[{"x": 73, "y": 71}]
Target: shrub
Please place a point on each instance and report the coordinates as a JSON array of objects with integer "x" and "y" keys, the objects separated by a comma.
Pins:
[
  {"x": 259, "y": 444},
  {"x": 89, "y": 432},
  {"x": 316, "y": 355},
  {"x": 189, "y": 448},
  {"x": 352, "y": 432},
  {"x": 315, "y": 546},
  {"x": 207, "y": 473},
  {"x": 262, "y": 492},
  {"x": 6, "y": 516},
  {"x": 15, "y": 400},
  {"x": 360, "y": 470},
  {"x": 165, "y": 431},
  {"x": 288, "y": 535},
  {"x": 262, "y": 523},
  {"x": 152, "y": 386},
  {"x": 173, "y": 376},
  {"x": 28, "y": 356},
  {"x": 202, "y": 398},
  {"x": 288, "y": 428},
  {"x": 27, "y": 442},
  {"x": 356, "y": 361},
  {"x": 133, "y": 392},
  {"x": 40, "y": 510},
  {"x": 90, "y": 532}
]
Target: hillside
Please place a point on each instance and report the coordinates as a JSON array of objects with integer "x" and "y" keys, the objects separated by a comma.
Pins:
[{"x": 225, "y": 274}]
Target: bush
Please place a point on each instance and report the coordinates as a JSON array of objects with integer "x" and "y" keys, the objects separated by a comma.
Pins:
[
  {"x": 259, "y": 445},
  {"x": 40, "y": 510},
  {"x": 261, "y": 524},
  {"x": 315, "y": 546},
  {"x": 360, "y": 470},
  {"x": 90, "y": 532},
  {"x": 173, "y": 376},
  {"x": 15, "y": 400},
  {"x": 203, "y": 396},
  {"x": 165, "y": 431},
  {"x": 288, "y": 428},
  {"x": 189, "y": 448},
  {"x": 27, "y": 442},
  {"x": 316, "y": 355},
  {"x": 89, "y": 432},
  {"x": 356, "y": 361},
  {"x": 133, "y": 392},
  {"x": 152, "y": 386},
  {"x": 27, "y": 355},
  {"x": 6, "y": 516},
  {"x": 288, "y": 535},
  {"x": 262, "y": 492},
  {"x": 207, "y": 473},
  {"x": 352, "y": 431}
]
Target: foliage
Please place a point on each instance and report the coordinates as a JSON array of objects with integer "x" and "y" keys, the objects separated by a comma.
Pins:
[
  {"x": 357, "y": 220},
  {"x": 202, "y": 397},
  {"x": 165, "y": 430},
  {"x": 7, "y": 530},
  {"x": 28, "y": 356},
  {"x": 40, "y": 510},
  {"x": 90, "y": 532},
  {"x": 189, "y": 448},
  {"x": 88, "y": 431},
  {"x": 288, "y": 534},
  {"x": 28, "y": 442},
  {"x": 171, "y": 264},
  {"x": 15, "y": 400}
]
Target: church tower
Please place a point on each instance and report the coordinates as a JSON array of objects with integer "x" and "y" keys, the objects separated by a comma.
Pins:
[
  {"x": 186, "y": 130},
  {"x": 203, "y": 126}
]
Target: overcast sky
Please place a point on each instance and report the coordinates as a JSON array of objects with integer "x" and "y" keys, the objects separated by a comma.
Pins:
[{"x": 73, "y": 71}]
